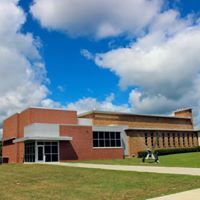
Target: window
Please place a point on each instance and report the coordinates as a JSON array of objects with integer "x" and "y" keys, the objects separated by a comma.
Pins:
[
  {"x": 51, "y": 151},
  {"x": 163, "y": 139},
  {"x": 157, "y": 140},
  {"x": 188, "y": 139},
  {"x": 193, "y": 139},
  {"x": 168, "y": 138},
  {"x": 152, "y": 142},
  {"x": 106, "y": 139},
  {"x": 179, "y": 140},
  {"x": 146, "y": 139},
  {"x": 183, "y": 135},
  {"x": 29, "y": 152},
  {"x": 174, "y": 139}
]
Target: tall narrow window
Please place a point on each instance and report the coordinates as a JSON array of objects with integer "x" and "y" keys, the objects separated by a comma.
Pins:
[
  {"x": 188, "y": 138},
  {"x": 168, "y": 138},
  {"x": 179, "y": 140},
  {"x": 174, "y": 141},
  {"x": 29, "y": 152},
  {"x": 193, "y": 139},
  {"x": 152, "y": 142},
  {"x": 157, "y": 140},
  {"x": 196, "y": 134},
  {"x": 146, "y": 139},
  {"x": 163, "y": 139},
  {"x": 183, "y": 135}
]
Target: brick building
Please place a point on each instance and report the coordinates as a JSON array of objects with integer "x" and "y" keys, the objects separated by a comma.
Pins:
[{"x": 51, "y": 135}]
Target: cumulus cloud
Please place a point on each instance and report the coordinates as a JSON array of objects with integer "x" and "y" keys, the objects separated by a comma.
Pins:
[
  {"x": 22, "y": 71},
  {"x": 89, "y": 103},
  {"x": 88, "y": 55},
  {"x": 99, "y": 18},
  {"x": 168, "y": 64},
  {"x": 162, "y": 62},
  {"x": 163, "y": 65},
  {"x": 166, "y": 72}
]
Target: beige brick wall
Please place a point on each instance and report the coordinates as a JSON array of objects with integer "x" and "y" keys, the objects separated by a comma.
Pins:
[
  {"x": 138, "y": 121},
  {"x": 136, "y": 140}
]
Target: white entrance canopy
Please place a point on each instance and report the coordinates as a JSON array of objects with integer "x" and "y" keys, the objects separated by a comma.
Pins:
[
  {"x": 61, "y": 138},
  {"x": 42, "y": 132}
]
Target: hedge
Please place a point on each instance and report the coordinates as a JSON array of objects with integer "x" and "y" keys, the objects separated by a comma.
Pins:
[{"x": 162, "y": 152}]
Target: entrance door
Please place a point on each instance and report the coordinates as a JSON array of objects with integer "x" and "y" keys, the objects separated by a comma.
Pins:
[{"x": 41, "y": 157}]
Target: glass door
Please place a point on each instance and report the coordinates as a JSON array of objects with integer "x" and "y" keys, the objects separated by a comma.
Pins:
[{"x": 41, "y": 154}]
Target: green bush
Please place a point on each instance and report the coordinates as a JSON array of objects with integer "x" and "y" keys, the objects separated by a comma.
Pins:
[{"x": 162, "y": 152}]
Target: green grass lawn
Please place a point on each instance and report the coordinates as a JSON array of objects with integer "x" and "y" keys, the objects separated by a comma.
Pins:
[
  {"x": 175, "y": 160},
  {"x": 24, "y": 182}
]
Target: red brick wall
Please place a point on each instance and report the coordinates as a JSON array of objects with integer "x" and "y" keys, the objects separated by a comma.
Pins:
[
  {"x": 183, "y": 113},
  {"x": 81, "y": 146},
  {"x": 53, "y": 116},
  {"x": 14, "y": 126},
  {"x": 10, "y": 129}
]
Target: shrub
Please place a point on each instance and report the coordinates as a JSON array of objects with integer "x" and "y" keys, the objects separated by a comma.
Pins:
[{"x": 162, "y": 152}]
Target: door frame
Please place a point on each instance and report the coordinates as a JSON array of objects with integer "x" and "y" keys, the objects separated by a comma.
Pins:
[{"x": 37, "y": 146}]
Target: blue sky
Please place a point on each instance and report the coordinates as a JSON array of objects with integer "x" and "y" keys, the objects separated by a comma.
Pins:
[
  {"x": 78, "y": 76},
  {"x": 67, "y": 68},
  {"x": 136, "y": 56}
]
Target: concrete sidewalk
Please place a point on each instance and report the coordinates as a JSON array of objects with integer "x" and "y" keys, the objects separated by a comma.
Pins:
[
  {"x": 162, "y": 170},
  {"x": 188, "y": 195}
]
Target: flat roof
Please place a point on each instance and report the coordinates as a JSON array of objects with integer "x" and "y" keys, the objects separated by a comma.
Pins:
[
  {"x": 130, "y": 114},
  {"x": 43, "y": 108}
]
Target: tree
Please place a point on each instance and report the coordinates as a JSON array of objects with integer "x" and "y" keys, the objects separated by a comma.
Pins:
[{"x": 0, "y": 151}]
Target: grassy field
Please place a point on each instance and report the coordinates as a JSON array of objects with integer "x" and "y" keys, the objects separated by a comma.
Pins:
[
  {"x": 175, "y": 160},
  {"x": 24, "y": 182}
]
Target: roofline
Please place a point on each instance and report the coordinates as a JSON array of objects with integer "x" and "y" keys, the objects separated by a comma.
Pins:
[
  {"x": 182, "y": 109},
  {"x": 130, "y": 114},
  {"x": 34, "y": 107},
  {"x": 45, "y": 108},
  {"x": 160, "y": 129}
]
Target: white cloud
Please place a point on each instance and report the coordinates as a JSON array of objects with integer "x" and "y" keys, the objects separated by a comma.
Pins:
[
  {"x": 148, "y": 104},
  {"x": 167, "y": 65},
  {"x": 1, "y": 133},
  {"x": 49, "y": 103},
  {"x": 88, "y": 55},
  {"x": 22, "y": 72},
  {"x": 89, "y": 103},
  {"x": 61, "y": 88},
  {"x": 99, "y": 18},
  {"x": 163, "y": 64}
]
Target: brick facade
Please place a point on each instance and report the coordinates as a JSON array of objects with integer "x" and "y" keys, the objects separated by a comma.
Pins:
[
  {"x": 81, "y": 147},
  {"x": 160, "y": 126},
  {"x": 140, "y": 121},
  {"x": 141, "y": 130},
  {"x": 14, "y": 127},
  {"x": 136, "y": 140}
]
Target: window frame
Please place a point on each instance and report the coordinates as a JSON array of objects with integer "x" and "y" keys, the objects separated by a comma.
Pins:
[
  {"x": 113, "y": 138},
  {"x": 169, "y": 139},
  {"x": 163, "y": 139}
]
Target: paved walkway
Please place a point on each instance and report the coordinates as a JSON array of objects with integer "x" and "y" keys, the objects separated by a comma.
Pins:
[
  {"x": 188, "y": 195},
  {"x": 163, "y": 170}
]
